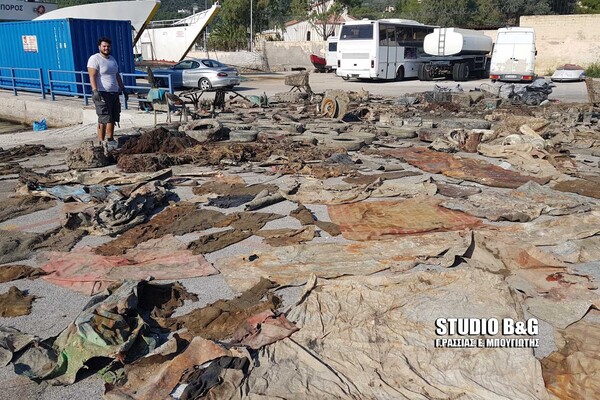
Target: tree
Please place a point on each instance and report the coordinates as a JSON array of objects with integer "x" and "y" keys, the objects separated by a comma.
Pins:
[
  {"x": 589, "y": 6},
  {"x": 322, "y": 14}
]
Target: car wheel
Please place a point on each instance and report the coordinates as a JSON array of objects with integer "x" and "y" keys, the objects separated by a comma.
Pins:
[
  {"x": 204, "y": 84},
  {"x": 345, "y": 78}
]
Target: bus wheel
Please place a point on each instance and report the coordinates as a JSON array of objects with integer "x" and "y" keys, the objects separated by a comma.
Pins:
[{"x": 400, "y": 74}]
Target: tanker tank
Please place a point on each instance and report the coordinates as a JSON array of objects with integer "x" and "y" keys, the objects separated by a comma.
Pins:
[{"x": 456, "y": 41}]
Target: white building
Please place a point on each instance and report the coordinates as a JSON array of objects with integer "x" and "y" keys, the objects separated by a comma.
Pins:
[{"x": 296, "y": 31}]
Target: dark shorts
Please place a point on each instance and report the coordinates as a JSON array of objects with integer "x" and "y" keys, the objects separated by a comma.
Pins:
[{"x": 108, "y": 111}]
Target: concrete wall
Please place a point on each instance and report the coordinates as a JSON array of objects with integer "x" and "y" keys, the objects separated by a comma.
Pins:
[
  {"x": 244, "y": 59},
  {"x": 25, "y": 109},
  {"x": 282, "y": 56},
  {"x": 565, "y": 39}
]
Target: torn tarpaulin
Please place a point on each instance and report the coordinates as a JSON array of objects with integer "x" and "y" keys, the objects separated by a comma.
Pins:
[
  {"x": 385, "y": 219},
  {"x": 128, "y": 207},
  {"x": 13, "y": 207},
  {"x": 89, "y": 273},
  {"x": 15, "y": 303},
  {"x": 111, "y": 325},
  {"x": 220, "y": 320},
  {"x": 468, "y": 169},
  {"x": 391, "y": 325},
  {"x": 295, "y": 264}
]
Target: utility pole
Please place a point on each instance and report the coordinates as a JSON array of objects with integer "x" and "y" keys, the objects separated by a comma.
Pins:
[{"x": 251, "y": 28}]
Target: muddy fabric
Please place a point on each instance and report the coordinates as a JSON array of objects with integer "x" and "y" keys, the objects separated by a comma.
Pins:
[
  {"x": 385, "y": 219},
  {"x": 83, "y": 271},
  {"x": 232, "y": 189},
  {"x": 102, "y": 329},
  {"x": 523, "y": 204},
  {"x": 16, "y": 206},
  {"x": 305, "y": 216},
  {"x": 263, "y": 329},
  {"x": 554, "y": 294},
  {"x": 14, "y": 272},
  {"x": 579, "y": 186},
  {"x": 295, "y": 264},
  {"x": 396, "y": 358},
  {"x": 124, "y": 210},
  {"x": 287, "y": 237},
  {"x": 10, "y": 169},
  {"x": 85, "y": 156},
  {"x": 162, "y": 300},
  {"x": 229, "y": 201},
  {"x": 15, "y": 246},
  {"x": 217, "y": 241},
  {"x": 159, "y": 140},
  {"x": 263, "y": 199},
  {"x": 525, "y": 157},
  {"x": 573, "y": 372},
  {"x": 12, "y": 341},
  {"x": 19, "y": 152},
  {"x": 456, "y": 191},
  {"x": 248, "y": 221},
  {"x": 156, "y": 375},
  {"x": 15, "y": 303},
  {"x": 220, "y": 320},
  {"x": 366, "y": 179},
  {"x": 84, "y": 194},
  {"x": 94, "y": 177},
  {"x": 319, "y": 192},
  {"x": 201, "y": 381},
  {"x": 136, "y": 163},
  {"x": 177, "y": 220},
  {"x": 468, "y": 169}
]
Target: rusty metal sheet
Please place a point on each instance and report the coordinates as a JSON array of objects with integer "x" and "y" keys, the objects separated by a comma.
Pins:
[
  {"x": 385, "y": 219},
  {"x": 468, "y": 169}
]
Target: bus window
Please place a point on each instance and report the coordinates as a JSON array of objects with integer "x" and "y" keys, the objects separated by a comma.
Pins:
[
  {"x": 333, "y": 46},
  {"x": 410, "y": 53},
  {"x": 353, "y": 32},
  {"x": 404, "y": 35},
  {"x": 391, "y": 36},
  {"x": 419, "y": 34},
  {"x": 382, "y": 36}
]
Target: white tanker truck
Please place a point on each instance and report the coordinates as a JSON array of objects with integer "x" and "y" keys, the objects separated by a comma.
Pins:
[{"x": 456, "y": 53}]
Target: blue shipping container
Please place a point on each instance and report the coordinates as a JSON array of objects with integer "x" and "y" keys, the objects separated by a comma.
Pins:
[{"x": 61, "y": 44}]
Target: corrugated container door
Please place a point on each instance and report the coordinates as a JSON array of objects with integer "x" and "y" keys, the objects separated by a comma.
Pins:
[{"x": 85, "y": 35}]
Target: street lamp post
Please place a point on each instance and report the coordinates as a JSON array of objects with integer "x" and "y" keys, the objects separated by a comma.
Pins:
[{"x": 251, "y": 28}]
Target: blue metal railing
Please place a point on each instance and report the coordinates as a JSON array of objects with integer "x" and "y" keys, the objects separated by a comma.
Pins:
[
  {"x": 24, "y": 79},
  {"x": 69, "y": 83}
]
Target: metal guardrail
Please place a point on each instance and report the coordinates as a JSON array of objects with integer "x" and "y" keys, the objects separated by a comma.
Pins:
[
  {"x": 68, "y": 83},
  {"x": 24, "y": 79}
]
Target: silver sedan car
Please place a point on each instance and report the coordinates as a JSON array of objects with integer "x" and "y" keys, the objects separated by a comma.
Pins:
[{"x": 205, "y": 74}]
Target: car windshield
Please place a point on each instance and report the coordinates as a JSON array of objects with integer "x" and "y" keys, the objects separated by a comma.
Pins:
[{"x": 213, "y": 64}]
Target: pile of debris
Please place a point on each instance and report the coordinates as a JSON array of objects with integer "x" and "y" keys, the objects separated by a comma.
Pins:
[{"x": 349, "y": 226}]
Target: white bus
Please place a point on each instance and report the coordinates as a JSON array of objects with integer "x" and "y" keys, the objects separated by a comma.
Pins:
[{"x": 383, "y": 49}]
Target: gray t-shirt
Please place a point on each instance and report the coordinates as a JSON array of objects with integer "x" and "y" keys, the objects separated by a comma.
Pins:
[{"x": 107, "y": 68}]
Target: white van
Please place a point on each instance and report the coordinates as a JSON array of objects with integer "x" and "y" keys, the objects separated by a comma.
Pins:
[
  {"x": 331, "y": 53},
  {"x": 513, "y": 57}
]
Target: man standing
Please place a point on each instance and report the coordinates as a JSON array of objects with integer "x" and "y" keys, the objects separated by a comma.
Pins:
[{"x": 106, "y": 85}]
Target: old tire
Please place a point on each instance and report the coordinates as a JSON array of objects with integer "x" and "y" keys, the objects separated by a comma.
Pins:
[
  {"x": 204, "y": 84},
  {"x": 425, "y": 73},
  {"x": 461, "y": 72},
  {"x": 347, "y": 143}
]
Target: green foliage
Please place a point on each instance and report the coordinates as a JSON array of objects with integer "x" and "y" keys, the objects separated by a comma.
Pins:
[
  {"x": 593, "y": 70},
  {"x": 588, "y": 6},
  {"x": 366, "y": 12}
]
